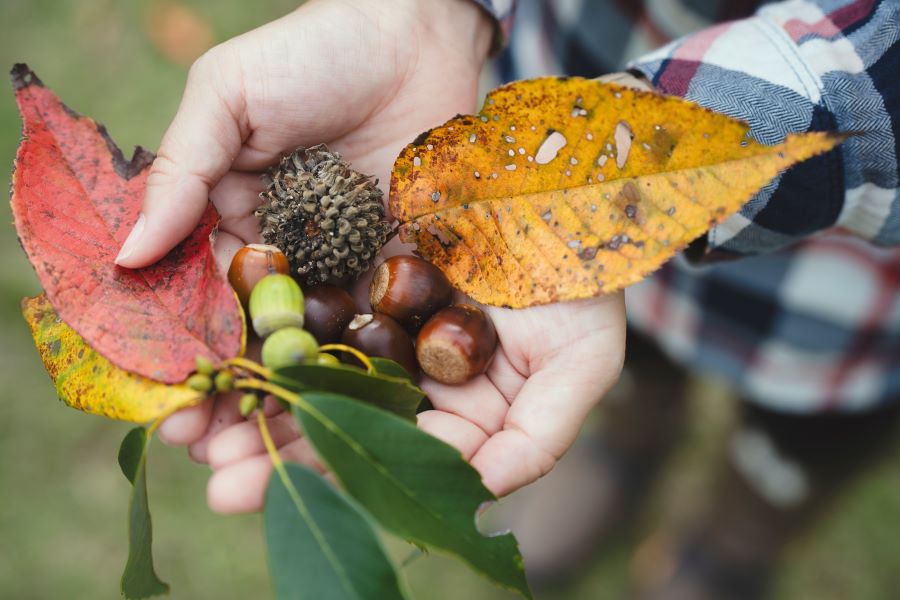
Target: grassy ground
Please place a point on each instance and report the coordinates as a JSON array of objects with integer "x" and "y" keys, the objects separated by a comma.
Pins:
[{"x": 62, "y": 498}]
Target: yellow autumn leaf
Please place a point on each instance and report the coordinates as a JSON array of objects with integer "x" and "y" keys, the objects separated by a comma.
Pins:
[
  {"x": 87, "y": 381},
  {"x": 565, "y": 188}
]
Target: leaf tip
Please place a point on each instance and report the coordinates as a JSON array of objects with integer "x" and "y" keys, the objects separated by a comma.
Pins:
[{"x": 22, "y": 77}]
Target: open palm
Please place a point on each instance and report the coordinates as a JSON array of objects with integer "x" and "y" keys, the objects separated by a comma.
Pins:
[{"x": 365, "y": 78}]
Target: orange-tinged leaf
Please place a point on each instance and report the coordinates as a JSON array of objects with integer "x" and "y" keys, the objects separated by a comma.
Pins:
[
  {"x": 87, "y": 381},
  {"x": 570, "y": 188},
  {"x": 75, "y": 199}
]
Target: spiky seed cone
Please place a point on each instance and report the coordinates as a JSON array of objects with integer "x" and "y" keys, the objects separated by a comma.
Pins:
[{"x": 327, "y": 218}]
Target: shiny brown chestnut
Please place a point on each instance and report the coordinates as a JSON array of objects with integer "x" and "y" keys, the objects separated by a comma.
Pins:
[
  {"x": 409, "y": 289},
  {"x": 328, "y": 311},
  {"x": 252, "y": 263},
  {"x": 380, "y": 335},
  {"x": 456, "y": 344}
]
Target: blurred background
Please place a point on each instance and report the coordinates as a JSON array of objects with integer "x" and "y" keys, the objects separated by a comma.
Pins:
[{"x": 62, "y": 498}]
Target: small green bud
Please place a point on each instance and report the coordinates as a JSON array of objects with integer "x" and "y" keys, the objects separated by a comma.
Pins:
[
  {"x": 288, "y": 347},
  {"x": 276, "y": 302},
  {"x": 204, "y": 365},
  {"x": 224, "y": 381},
  {"x": 248, "y": 404},
  {"x": 200, "y": 382},
  {"x": 327, "y": 360}
]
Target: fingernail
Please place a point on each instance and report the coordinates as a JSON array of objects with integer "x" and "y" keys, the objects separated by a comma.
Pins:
[{"x": 131, "y": 243}]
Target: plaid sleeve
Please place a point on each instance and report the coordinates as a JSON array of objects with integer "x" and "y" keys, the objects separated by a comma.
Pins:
[
  {"x": 802, "y": 66},
  {"x": 502, "y": 12}
]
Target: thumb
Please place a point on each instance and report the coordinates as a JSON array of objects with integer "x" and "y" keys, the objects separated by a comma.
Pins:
[{"x": 196, "y": 151}]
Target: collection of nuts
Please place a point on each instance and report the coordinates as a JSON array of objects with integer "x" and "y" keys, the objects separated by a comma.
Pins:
[{"x": 413, "y": 320}]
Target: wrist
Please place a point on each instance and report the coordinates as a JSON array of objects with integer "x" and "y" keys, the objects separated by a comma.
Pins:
[{"x": 458, "y": 27}]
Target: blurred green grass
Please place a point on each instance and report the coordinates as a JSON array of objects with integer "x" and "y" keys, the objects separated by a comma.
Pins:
[{"x": 62, "y": 498}]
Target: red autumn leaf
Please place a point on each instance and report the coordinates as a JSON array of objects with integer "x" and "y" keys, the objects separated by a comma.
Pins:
[{"x": 74, "y": 199}]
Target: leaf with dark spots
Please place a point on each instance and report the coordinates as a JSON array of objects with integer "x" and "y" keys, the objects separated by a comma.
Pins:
[
  {"x": 87, "y": 381},
  {"x": 75, "y": 198},
  {"x": 598, "y": 186}
]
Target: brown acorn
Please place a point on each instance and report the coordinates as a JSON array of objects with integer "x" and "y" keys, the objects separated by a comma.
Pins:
[
  {"x": 380, "y": 335},
  {"x": 329, "y": 309},
  {"x": 456, "y": 344},
  {"x": 252, "y": 263},
  {"x": 409, "y": 289}
]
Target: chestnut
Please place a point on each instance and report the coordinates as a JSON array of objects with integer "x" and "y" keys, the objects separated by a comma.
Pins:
[
  {"x": 380, "y": 335},
  {"x": 456, "y": 344},
  {"x": 329, "y": 309},
  {"x": 252, "y": 263},
  {"x": 409, "y": 289}
]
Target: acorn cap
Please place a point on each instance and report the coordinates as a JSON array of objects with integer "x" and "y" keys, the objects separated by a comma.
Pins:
[{"x": 327, "y": 218}]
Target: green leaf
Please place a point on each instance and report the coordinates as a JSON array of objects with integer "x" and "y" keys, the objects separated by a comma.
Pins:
[
  {"x": 415, "y": 485},
  {"x": 321, "y": 545},
  {"x": 396, "y": 394},
  {"x": 139, "y": 579},
  {"x": 386, "y": 366}
]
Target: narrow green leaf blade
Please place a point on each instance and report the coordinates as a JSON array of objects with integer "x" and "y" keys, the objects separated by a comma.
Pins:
[
  {"x": 383, "y": 389},
  {"x": 415, "y": 485},
  {"x": 139, "y": 580},
  {"x": 321, "y": 545}
]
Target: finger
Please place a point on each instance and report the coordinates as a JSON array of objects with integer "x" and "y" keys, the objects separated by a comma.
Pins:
[
  {"x": 477, "y": 401},
  {"x": 241, "y": 487},
  {"x": 225, "y": 414},
  {"x": 197, "y": 149},
  {"x": 454, "y": 430},
  {"x": 225, "y": 247},
  {"x": 237, "y": 194},
  {"x": 547, "y": 415},
  {"x": 244, "y": 440},
  {"x": 567, "y": 379},
  {"x": 504, "y": 376},
  {"x": 187, "y": 425}
]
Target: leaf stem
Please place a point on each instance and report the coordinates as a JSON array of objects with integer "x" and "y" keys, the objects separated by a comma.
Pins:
[
  {"x": 270, "y": 388},
  {"x": 269, "y": 443},
  {"x": 345, "y": 348},
  {"x": 246, "y": 364},
  {"x": 301, "y": 507}
]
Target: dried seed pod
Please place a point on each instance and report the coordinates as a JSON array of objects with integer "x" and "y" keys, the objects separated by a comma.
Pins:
[
  {"x": 380, "y": 335},
  {"x": 252, "y": 263},
  {"x": 327, "y": 218},
  {"x": 456, "y": 344},
  {"x": 329, "y": 309},
  {"x": 410, "y": 290}
]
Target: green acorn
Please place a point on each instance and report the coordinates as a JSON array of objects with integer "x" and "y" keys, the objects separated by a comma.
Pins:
[
  {"x": 327, "y": 360},
  {"x": 276, "y": 302},
  {"x": 288, "y": 347}
]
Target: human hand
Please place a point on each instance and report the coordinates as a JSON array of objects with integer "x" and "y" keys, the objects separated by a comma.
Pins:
[
  {"x": 552, "y": 366},
  {"x": 240, "y": 114},
  {"x": 363, "y": 77}
]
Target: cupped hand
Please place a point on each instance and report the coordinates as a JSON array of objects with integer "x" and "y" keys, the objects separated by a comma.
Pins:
[
  {"x": 365, "y": 78},
  {"x": 552, "y": 366}
]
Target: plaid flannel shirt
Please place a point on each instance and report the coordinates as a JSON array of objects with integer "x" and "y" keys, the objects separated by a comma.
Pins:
[{"x": 808, "y": 319}]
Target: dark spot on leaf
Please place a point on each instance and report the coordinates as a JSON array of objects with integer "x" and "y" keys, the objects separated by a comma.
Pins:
[{"x": 420, "y": 139}]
